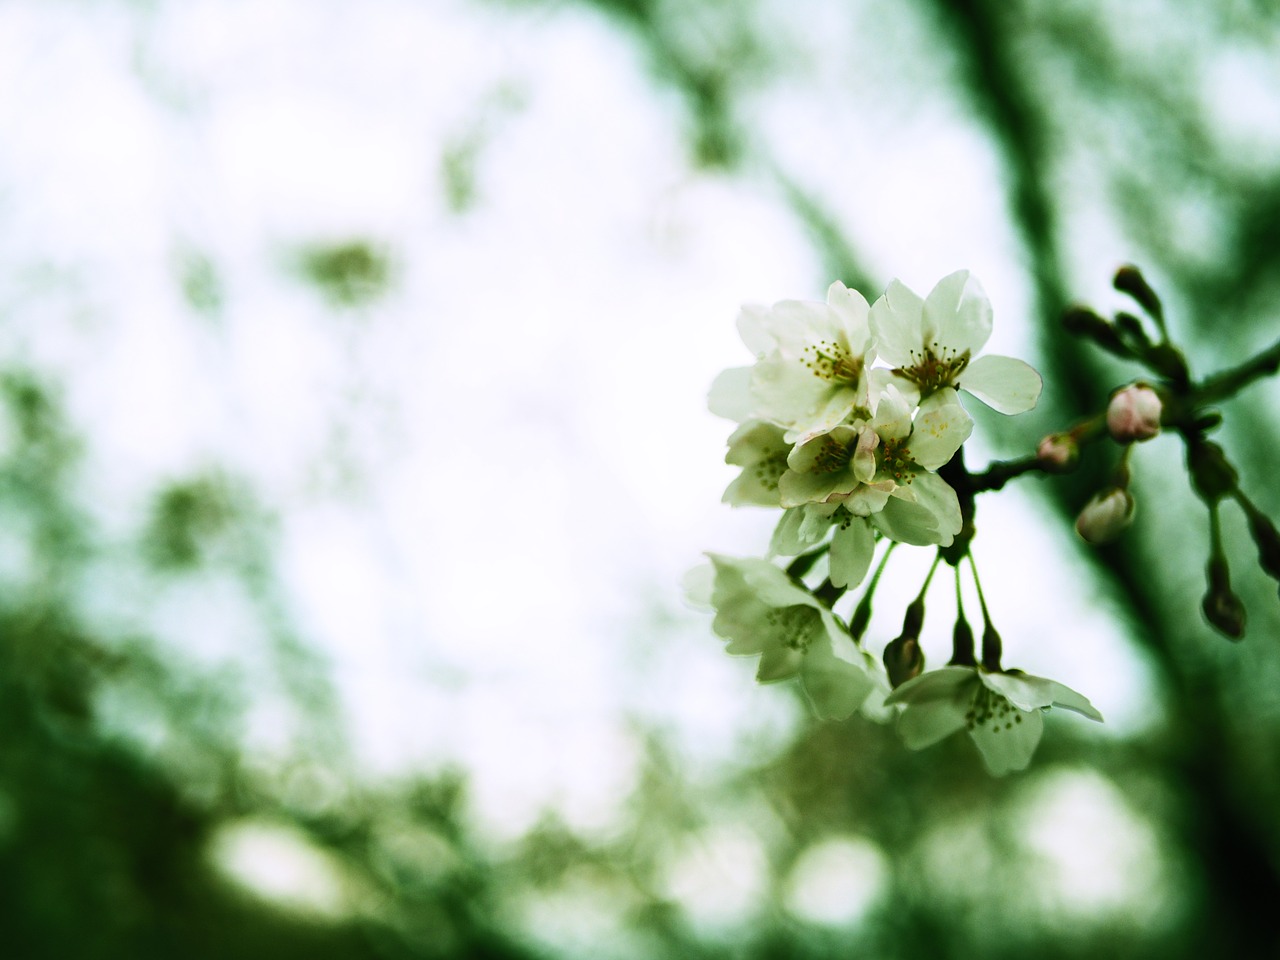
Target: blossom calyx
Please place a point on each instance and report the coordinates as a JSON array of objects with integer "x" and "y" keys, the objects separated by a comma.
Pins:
[
  {"x": 1212, "y": 475},
  {"x": 1106, "y": 516},
  {"x": 1134, "y": 413},
  {"x": 1222, "y": 607},
  {"x": 903, "y": 659}
]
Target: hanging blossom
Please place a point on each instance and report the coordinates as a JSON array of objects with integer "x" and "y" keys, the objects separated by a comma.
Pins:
[
  {"x": 811, "y": 369},
  {"x": 933, "y": 343},
  {"x": 760, "y": 610},
  {"x": 1003, "y": 711}
]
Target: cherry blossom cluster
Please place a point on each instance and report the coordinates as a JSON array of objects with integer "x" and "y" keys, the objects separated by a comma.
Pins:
[
  {"x": 850, "y": 421},
  {"x": 850, "y": 410},
  {"x": 847, "y": 422}
]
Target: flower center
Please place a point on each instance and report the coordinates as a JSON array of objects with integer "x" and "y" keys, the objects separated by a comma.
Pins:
[
  {"x": 935, "y": 368},
  {"x": 793, "y": 626},
  {"x": 896, "y": 460},
  {"x": 989, "y": 707},
  {"x": 769, "y": 470},
  {"x": 828, "y": 360},
  {"x": 832, "y": 455}
]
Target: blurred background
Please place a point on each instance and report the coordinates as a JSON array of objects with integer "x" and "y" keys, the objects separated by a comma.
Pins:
[{"x": 353, "y": 444}]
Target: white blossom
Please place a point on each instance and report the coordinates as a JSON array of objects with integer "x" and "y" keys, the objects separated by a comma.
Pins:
[
  {"x": 1002, "y": 711},
  {"x": 933, "y": 343},
  {"x": 761, "y": 611},
  {"x": 811, "y": 364}
]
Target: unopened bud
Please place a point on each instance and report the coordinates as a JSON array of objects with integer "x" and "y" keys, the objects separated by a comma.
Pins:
[
  {"x": 1222, "y": 608},
  {"x": 1106, "y": 516},
  {"x": 1083, "y": 322},
  {"x": 1129, "y": 279},
  {"x": 1267, "y": 539},
  {"x": 1130, "y": 326},
  {"x": 903, "y": 659},
  {"x": 1212, "y": 474},
  {"x": 1134, "y": 413},
  {"x": 962, "y": 643},
  {"x": 992, "y": 647},
  {"x": 1058, "y": 453}
]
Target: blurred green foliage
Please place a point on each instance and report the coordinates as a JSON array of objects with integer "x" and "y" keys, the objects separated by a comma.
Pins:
[{"x": 350, "y": 274}]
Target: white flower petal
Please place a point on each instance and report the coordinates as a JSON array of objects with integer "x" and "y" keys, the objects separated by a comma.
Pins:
[
  {"x": 944, "y": 683},
  {"x": 1064, "y": 696},
  {"x": 874, "y": 707},
  {"x": 794, "y": 324},
  {"x": 937, "y": 704},
  {"x": 789, "y": 536},
  {"x": 1021, "y": 689},
  {"x": 1028, "y": 692},
  {"x": 941, "y": 425},
  {"x": 924, "y": 513},
  {"x": 730, "y": 395},
  {"x": 1005, "y": 384},
  {"x": 753, "y": 328},
  {"x": 879, "y": 379},
  {"x": 957, "y": 314},
  {"x": 742, "y": 581},
  {"x": 852, "y": 546},
  {"x": 773, "y": 588},
  {"x": 778, "y": 663},
  {"x": 1009, "y": 744},
  {"x": 939, "y": 498},
  {"x": 836, "y": 686},
  {"x": 853, "y": 313},
  {"x": 759, "y": 449},
  {"x": 698, "y": 585},
  {"x": 927, "y": 723},
  {"x": 892, "y": 420},
  {"x": 897, "y": 323},
  {"x": 869, "y": 498}
]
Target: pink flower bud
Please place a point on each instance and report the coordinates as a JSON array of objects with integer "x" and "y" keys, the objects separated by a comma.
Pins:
[
  {"x": 1134, "y": 413},
  {"x": 1058, "y": 453},
  {"x": 1106, "y": 516}
]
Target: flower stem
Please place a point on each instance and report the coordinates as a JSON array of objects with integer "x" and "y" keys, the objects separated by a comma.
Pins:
[
  {"x": 992, "y": 646},
  {"x": 862, "y": 612},
  {"x": 802, "y": 564},
  {"x": 1228, "y": 383},
  {"x": 962, "y": 635}
]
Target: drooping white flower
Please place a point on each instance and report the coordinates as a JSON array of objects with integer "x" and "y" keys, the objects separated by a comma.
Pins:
[
  {"x": 811, "y": 364},
  {"x": 933, "y": 343},
  {"x": 761, "y": 611},
  {"x": 1003, "y": 711}
]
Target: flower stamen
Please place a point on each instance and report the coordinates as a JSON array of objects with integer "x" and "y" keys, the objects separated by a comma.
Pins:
[
  {"x": 935, "y": 368},
  {"x": 832, "y": 361}
]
